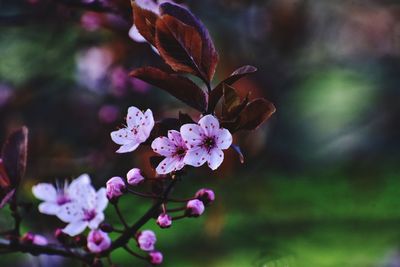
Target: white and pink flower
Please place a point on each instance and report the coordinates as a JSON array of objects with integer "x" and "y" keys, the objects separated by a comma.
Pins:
[
  {"x": 98, "y": 241},
  {"x": 87, "y": 210},
  {"x": 137, "y": 131},
  {"x": 173, "y": 148},
  {"x": 205, "y": 141},
  {"x": 115, "y": 187},
  {"x": 54, "y": 197},
  {"x": 134, "y": 176}
]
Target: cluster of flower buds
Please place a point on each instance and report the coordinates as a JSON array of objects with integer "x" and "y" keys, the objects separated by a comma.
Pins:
[
  {"x": 116, "y": 186},
  {"x": 146, "y": 241}
]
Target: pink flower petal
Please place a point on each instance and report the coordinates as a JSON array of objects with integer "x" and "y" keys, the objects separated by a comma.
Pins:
[
  {"x": 45, "y": 192},
  {"x": 209, "y": 124},
  {"x": 196, "y": 157},
  {"x": 224, "y": 138},
  {"x": 192, "y": 134},
  {"x": 134, "y": 117},
  {"x": 163, "y": 146},
  {"x": 168, "y": 165},
  {"x": 49, "y": 208},
  {"x": 128, "y": 147},
  {"x": 216, "y": 156},
  {"x": 176, "y": 138},
  {"x": 75, "y": 228},
  {"x": 122, "y": 136}
]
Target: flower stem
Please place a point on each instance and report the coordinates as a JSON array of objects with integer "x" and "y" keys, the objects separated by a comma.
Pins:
[
  {"x": 121, "y": 218},
  {"x": 130, "y": 251}
]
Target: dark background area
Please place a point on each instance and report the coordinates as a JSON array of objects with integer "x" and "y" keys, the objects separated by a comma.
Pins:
[{"x": 320, "y": 183}]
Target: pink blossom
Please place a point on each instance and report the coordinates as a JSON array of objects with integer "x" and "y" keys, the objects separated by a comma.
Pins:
[
  {"x": 164, "y": 220},
  {"x": 137, "y": 131},
  {"x": 156, "y": 257},
  {"x": 87, "y": 210},
  {"x": 207, "y": 196},
  {"x": 205, "y": 141},
  {"x": 36, "y": 239},
  {"x": 173, "y": 149},
  {"x": 194, "y": 208},
  {"x": 134, "y": 176},
  {"x": 98, "y": 241},
  {"x": 115, "y": 188},
  {"x": 54, "y": 197},
  {"x": 146, "y": 240}
]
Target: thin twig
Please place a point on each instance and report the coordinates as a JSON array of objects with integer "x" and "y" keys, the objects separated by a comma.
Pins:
[{"x": 121, "y": 218}]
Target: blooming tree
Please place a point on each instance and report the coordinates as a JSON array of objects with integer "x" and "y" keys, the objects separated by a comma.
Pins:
[{"x": 179, "y": 144}]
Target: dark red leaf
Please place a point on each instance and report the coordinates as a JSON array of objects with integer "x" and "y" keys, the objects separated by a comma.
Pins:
[
  {"x": 217, "y": 92},
  {"x": 5, "y": 196},
  {"x": 14, "y": 155},
  {"x": 233, "y": 104},
  {"x": 179, "y": 45},
  {"x": 145, "y": 22},
  {"x": 209, "y": 58},
  {"x": 4, "y": 180},
  {"x": 180, "y": 87},
  {"x": 254, "y": 114}
]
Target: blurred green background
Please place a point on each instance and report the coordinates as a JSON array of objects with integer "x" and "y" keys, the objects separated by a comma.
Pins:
[{"x": 320, "y": 185}]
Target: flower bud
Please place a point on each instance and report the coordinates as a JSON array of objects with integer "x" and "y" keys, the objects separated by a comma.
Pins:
[
  {"x": 194, "y": 208},
  {"x": 164, "y": 220},
  {"x": 30, "y": 238},
  {"x": 98, "y": 241},
  {"x": 146, "y": 240},
  {"x": 106, "y": 227},
  {"x": 207, "y": 196},
  {"x": 156, "y": 257},
  {"x": 134, "y": 176},
  {"x": 60, "y": 235},
  {"x": 115, "y": 187}
]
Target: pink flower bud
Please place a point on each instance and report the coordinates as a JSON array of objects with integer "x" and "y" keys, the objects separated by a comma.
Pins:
[
  {"x": 31, "y": 238},
  {"x": 156, "y": 257},
  {"x": 164, "y": 220},
  {"x": 194, "y": 208},
  {"x": 115, "y": 188},
  {"x": 134, "y": 176},
  {"x": 60, "y": 235},
  {"x": 207, "y": 196},
  {"x": 146, "y": 240},
  {"x": 98, "y": 241}
]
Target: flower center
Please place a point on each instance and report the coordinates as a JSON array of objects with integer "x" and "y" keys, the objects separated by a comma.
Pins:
[
  {"x": 209, "y": 143},
  {"x": 180, "y": 152},
  {"x": 62, "y": 199},
  {"x": 89, "y": 215},
  {"x": 97, "y": 238}
]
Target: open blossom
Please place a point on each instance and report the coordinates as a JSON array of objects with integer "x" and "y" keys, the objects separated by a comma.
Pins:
[
  {"x": 146, "y": 240},
  {"x": 134, "y": 176},
  {"x": 87, "y": 210},
  {"x": 173, "y": 148},
  {"x": 137, "y": 131},
  {"x": 54, "y": 197},
  {"x": 205, "y": 141},
  {"x": 194, "y": 208},
  {"x": 115, "y": 188},
  {"x": 98, "y": 241},
  {"x": 156, "y": 257}
]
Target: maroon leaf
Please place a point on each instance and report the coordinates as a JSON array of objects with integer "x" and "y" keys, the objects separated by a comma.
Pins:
[
  {"x": 180, "y": 87},
  {"x": 209, "y": 58},
  {"x": 179, "y": 45},
  {"x": 233, "y": 104},
  {"x": 145, "y": 22},
  {"x": 254, "y": 114},
  {"x": 14, "y": 155},
  {"x": 217, "y": 92}
]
